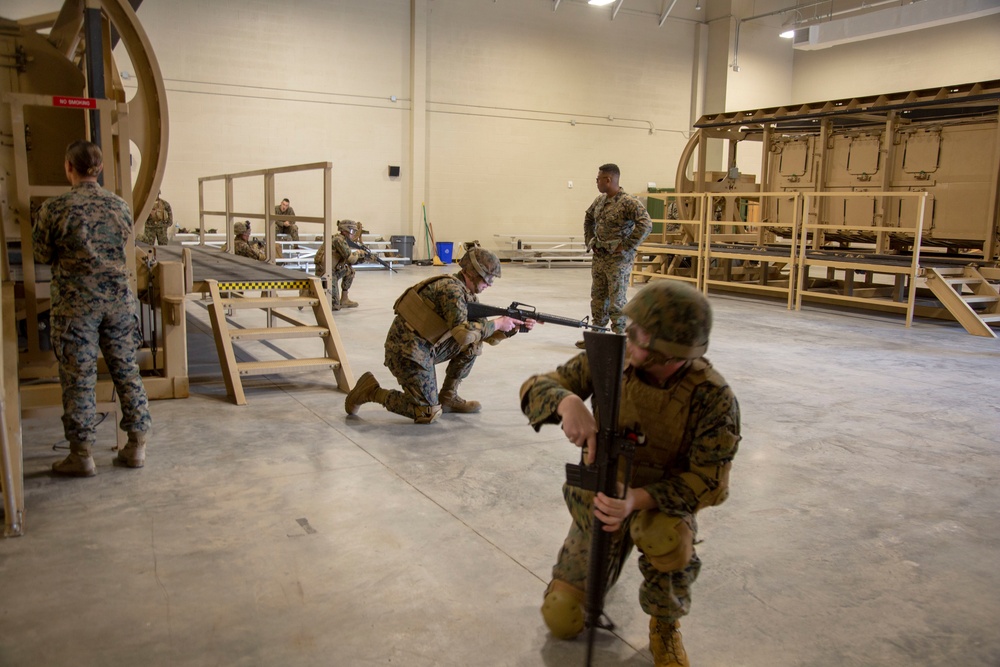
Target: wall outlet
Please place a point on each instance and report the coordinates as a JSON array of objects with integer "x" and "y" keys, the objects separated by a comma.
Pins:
[{"x": 569, "y": 185}]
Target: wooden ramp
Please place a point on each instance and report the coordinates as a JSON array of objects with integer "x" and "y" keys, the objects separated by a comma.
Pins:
[
  {"x": 968, "y": 296},
  {"x": 239, "y": 283}
]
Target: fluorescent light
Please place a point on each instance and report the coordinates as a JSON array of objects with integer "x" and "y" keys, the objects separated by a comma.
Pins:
[
  {"x": 599, "y": 3},
  {"x": 788, "y": 34}
]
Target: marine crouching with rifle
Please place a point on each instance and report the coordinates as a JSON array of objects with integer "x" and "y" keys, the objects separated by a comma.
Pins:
[
  {"x": 679, "y": 421},
  {"x": 344, "y": 260}
]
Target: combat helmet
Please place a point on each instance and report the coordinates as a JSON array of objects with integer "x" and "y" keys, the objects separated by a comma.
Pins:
[
  {"x": 349, "y": 225},
  {"x": 676, "y": 315},
  {"x": 241, "y": 228},
  {"x": 481, "y": 262}
]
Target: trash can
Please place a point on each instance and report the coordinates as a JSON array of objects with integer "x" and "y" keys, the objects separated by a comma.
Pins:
[
  {"x": 444, "y": 251},
  {"x": 403, "y": 245}
]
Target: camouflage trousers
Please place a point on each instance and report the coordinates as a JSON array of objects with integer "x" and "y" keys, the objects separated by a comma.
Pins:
[
  {"x": 663, "y": 595},
  {"x": 155, "y": 234},
  {"x": 343, "y": 275},
  {"x": 292, "y": 230},
  {"x": 420, "y": 384},
  {"x": 608, "y": 289},
  {"x": 76, "y": 341}
]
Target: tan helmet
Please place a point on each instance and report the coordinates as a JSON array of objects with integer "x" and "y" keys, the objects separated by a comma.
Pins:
[
  {"x": 241, "y": 227},
  {"x": 676, "y": 315},
  {"x": 481, "y": 262},
  {"x": 349, "y": 225}
]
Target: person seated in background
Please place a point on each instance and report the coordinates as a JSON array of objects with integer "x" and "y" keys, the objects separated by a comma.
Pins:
[
  {"x": 344, "y": 257},
  {"x": 286, "y": 226}
]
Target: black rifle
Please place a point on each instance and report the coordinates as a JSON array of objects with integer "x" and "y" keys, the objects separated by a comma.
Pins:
[
  {"x": 358, "y": 245},
  {"x": 606, "y": 356},
  {"x": 522, "y": 311}
]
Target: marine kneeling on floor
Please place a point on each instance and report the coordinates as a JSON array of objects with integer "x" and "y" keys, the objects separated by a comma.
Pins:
[
  {"x": 688, "y": 418},
  {"x": 344, "y": 259},
  {"x": 432, "y": 327}
]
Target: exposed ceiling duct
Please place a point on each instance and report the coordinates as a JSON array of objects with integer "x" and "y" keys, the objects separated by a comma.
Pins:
[{"x": 826, "y": 31}]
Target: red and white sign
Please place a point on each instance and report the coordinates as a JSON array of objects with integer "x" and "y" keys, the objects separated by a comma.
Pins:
[{"x": 75, "y": 102}]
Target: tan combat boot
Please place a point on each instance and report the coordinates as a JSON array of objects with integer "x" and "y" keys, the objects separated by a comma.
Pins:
[
  {"x": 133, "y": 454},
  {"x": 451, "y": 402},
  {"x": 665, "y": 644},
  {"x": 345, "y": 301},
  {"x": 79, "y": 463},
  {"x": 366, "y": 390}
]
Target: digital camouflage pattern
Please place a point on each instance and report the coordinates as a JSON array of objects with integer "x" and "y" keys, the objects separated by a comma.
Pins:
[
  {"x": 344, "y": 257},
  {"x": 676, "y": 315},
  {"x": 286, "y": 226},
  {"x": 613, "y": 228},
  {"x": 161, "y": 218},
  {"x": 703, "y": 431},
  {"x": 244, "y": 248},
  {"x": 412, "y": 359},
  {"x": 83, "y": 234}
]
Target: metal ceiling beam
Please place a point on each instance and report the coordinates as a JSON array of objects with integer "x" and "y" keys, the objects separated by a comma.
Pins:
[
  {"x": 618, "y": 5},
  {"x": 665, "y": 14},
  {"x": 555, "y": 4}
]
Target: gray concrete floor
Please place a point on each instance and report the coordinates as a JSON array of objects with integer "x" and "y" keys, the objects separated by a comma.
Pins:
[{"x": 863, "y": 526}]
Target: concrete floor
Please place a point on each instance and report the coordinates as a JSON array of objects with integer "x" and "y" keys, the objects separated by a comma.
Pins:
[{"x": 863, "y": 526}]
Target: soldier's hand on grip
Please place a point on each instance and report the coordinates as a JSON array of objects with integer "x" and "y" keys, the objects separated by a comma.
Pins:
[{"x": 579, "y": 425}]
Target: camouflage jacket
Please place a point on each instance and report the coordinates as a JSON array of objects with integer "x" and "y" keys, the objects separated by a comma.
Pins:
[
  {"x": 245, "y": 249},
  {"x": 448, "y": 296},
  {"x": 340, "y": 251},
  {"x": 707, "y": 437},
  {"x": 161, "y": 216},
  {"x": 83, "y": 234},
  {"x": 611, "y": 221}
]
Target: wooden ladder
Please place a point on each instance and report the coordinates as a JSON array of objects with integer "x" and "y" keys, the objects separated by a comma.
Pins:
[
  {"x": 312, "y": 296},
  {"x": 968, "y": 296}
]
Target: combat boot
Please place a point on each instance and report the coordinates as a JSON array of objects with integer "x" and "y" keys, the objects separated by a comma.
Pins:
[
  {"x": 345, "y": 301},
  {"x": 367, "y": 390},
  {"x": 665, "y": 644},
  {"x": 79, "y": 463},
  {"x": 133, "y": 454},
  {"x": 451, "y": 402}
]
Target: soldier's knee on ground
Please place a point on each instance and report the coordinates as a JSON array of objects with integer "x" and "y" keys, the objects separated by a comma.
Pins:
[
  {"x": 563, "y": 609},
  {"x": 666, "y": 541},
  {"x": 425, "y": 414}
]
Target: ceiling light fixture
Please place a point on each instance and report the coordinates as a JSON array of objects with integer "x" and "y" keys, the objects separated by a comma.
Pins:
[
  {"x": 787, "y": 34},
  {"x": 599, "y": 3},
  {"x": 697, "y": 5}
]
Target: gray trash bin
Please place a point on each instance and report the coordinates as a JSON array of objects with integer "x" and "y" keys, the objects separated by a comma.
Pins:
[{"x": 403, "y": 245}]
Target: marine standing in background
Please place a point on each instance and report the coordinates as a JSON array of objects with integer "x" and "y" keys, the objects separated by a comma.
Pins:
[
  {"x": 242, "y": 245},
  {"x": 345, "y": 257},
  {"x": 432, "y": 327},
  {"x": 286, "y": 226},
  {"x": 613, "y": 227},
  {"x": 690, "y": 419},
  {"x": 161, "y": 218},
  {"x": 83, "y": 234}
]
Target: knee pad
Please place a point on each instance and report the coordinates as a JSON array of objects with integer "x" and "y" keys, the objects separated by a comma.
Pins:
[
  {"x": 666, "y": 541},
  {"x": 563, "y": 609},
  {"x": 425, "y": 414}
]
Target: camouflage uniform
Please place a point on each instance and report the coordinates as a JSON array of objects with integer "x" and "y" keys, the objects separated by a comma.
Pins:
[
  {"x": 692, "y": 422},
  {"x": 279, "y": 226},
  {"x": 244, "y": 248},
  {"x": 343, "y": 271},
  {"x": 613, "y": 228},
  {"x": 411, "y": 358},
  {"x": 161, "y": 218},
  {"x": 84, "y": 234}
]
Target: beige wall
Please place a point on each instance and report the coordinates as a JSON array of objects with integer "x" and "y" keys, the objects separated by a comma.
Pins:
[
  {"x": 961, "y": 52},
  {"x": 518, "y": 98}
]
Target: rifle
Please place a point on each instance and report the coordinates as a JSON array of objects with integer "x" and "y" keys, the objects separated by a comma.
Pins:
[
  {"x": 522, "y": 311},
  {"x": 606, "y": 356},
  {"x": 358, "y": 245}
]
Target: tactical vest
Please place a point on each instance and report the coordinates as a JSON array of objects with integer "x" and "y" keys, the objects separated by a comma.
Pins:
[
  {"x": 159, "y": 212},
  {"x": 419, "y": 313},
  {"x": 662, "y": 416}
]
